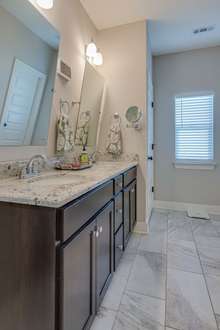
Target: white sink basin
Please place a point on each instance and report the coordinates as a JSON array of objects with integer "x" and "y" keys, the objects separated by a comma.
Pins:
[{"x": 57, "y": 179}]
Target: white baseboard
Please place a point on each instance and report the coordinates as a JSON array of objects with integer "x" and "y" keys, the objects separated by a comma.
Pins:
[
  {"x": 141, "y": 228},
  {"x": 177, "y": 206}
]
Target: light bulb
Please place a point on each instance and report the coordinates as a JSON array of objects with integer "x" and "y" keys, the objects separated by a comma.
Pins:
[
  {"x": 91, "y": 50},
  {"x": 45, "y": 4},
  {"x": 98, "y": 59}
]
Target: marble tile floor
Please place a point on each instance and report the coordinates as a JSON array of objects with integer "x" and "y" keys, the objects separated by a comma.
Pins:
[{"x": 168, "y": 279}]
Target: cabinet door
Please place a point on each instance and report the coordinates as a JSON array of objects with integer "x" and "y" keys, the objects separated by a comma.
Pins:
[
  {"x": 127, "y": 223},
  {"x": 27, "y": 267},
  {"x": 104, "y": 239},
  {"x": 133, "y": 204},
  {"x": 118, "y": 212},
  {"x": 78, "y": 281},
  {"x": 118, "y": 247}
]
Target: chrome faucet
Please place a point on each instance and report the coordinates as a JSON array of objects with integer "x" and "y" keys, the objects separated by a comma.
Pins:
[
  {"x": 29, "y": 170},
  {"x": 92, "y": 157}
]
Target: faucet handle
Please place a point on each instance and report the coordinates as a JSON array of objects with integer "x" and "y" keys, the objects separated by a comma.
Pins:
[{"x": 24, "y": 172}]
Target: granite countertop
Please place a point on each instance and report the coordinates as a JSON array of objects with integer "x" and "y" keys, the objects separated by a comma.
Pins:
[{"x": 56, "y": 188}]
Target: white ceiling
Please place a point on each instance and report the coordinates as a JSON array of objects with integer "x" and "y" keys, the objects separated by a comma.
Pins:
[{"x": 171, "y": 21}]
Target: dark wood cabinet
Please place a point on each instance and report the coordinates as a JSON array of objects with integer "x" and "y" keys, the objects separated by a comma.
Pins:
[
  {"x": 86, "y": 268},
  {"x": 127, "y": 218},
  {"x": 104, "y": 257},
  {"x": 133, "y": 204},
  {"x": 27, "y": 267},
  {"x": 118, "y": 211},
  {"x": 118, "y": 247},
  {"x": 130, "y": 211},
  {"x": 56, "y": 264},
  {"x": 77, "y": 281}
]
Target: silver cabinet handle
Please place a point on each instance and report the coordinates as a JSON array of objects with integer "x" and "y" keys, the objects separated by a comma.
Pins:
[
  {"x": 120, "y": 247},
  {"x": 96, "y": 233},
  {"x": 132, "y": 190},
  {"x": 100, "y": 230}
]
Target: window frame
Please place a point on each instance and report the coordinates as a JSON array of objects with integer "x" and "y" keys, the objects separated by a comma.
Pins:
[{"x": 190, "y": 163}]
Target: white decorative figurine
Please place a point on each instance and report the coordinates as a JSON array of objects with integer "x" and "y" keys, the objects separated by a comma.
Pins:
[
  {"x": 82, "y": 131},
  {"x": 65, "y": 137},
  {"x": 114, "y": 145}
]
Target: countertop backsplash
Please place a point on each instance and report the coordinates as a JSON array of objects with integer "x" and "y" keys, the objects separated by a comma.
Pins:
[
  {"x": 13, "y": 168},
  {"x": 106, "y": 157}
]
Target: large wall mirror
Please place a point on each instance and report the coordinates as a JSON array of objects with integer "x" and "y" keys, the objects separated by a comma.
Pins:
[
  {"x": 29, "y": 49},
  {"x": 92, "y": 99}
]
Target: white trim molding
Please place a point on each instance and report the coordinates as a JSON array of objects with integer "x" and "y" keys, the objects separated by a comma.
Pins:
[
  {"x": 194, "y": 165},
  {"x": 178, "y": 206},
  {"x": 141, "y": 228}
]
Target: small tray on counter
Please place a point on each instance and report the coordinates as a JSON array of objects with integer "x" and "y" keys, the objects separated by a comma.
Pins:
[{"x": 72, "y": 167}]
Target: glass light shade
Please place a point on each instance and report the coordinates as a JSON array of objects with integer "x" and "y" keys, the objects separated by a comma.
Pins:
[
  {"x": 45, "y": 4},
  {"x": 91, "y": 50},
  {"x": 98, "y": 59}
]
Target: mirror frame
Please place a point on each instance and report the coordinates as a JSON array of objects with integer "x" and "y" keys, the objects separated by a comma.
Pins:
[
  {"x": 32, "y": 18},
  {"x": 100, "y": 112}
]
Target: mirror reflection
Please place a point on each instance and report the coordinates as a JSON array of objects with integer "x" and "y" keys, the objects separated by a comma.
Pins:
[
  {"x": 90, "y": 108},
  {"x": 27, "y": 74}
]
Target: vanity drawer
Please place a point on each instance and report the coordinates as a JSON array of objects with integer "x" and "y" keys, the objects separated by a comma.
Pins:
[
  {"x": 118, "y": 184},
  {"x": 118, "y": 247},
  {"x": 129, "y": 176},
  {"x": 77, "y": 214},
  {"x": 118, "y": 211}
]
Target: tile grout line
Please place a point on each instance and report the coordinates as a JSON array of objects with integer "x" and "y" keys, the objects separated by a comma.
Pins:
[
  {"x": 165, "y": 320},
  {"x": 185, "y": 271},
  {"x": 132, "y": 266},
  {"x": 129, "y": 273},
  {"x": 145, "y": 295},
  {"x": 171, "y": 328},
  {"x": 203, "y": 274}
]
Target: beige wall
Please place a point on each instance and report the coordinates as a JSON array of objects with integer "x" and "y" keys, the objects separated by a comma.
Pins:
[
  {"x": 125, "y": 57},
  {"x": 76, "y": 30},
  {"x": 192, "y": 71}
]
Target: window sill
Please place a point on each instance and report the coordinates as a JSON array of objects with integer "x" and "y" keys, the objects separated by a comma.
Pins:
[{"x": 195, "y": 165}]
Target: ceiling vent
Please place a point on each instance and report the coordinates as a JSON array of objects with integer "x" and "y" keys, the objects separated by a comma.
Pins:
[{"x": 204, "y": 29}]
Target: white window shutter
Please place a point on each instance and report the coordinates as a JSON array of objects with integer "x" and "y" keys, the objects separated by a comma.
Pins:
[{"x": 194, "y": 127}]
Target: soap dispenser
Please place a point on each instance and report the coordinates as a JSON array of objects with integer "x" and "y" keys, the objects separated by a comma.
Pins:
[{"x": 84, "y": 156}]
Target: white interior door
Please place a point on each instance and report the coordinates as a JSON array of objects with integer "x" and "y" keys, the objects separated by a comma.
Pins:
[
  {"x": 22, "y": 105},
  {"x": 150, "y": 151}
]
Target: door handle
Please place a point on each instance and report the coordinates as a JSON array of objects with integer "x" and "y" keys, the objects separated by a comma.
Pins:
[{"x": 150, "y": 158}]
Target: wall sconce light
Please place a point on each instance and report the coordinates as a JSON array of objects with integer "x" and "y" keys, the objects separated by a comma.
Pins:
[
  {"x": 98, "y": 59},
  {"x": 91, "y": 49},
  {"x": 93, "y": 54},
  {"x": 45, "y": 4}
]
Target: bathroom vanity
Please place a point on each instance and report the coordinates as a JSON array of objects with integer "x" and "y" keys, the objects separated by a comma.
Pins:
[
  {"x": 62, "y": 233},
  {"x": 62, "y": 236}
]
